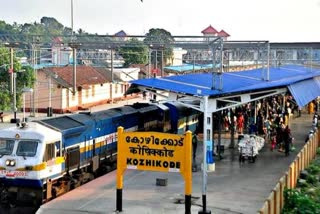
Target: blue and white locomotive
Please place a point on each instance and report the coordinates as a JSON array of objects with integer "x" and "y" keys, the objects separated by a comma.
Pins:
[{"x": 46, "y": 158}]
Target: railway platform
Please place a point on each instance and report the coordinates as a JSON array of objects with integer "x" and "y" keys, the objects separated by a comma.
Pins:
[{"x": 234, "y": 187}]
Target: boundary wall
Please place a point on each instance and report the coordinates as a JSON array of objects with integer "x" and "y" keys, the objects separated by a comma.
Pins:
[{"x": 275, "y": 201}]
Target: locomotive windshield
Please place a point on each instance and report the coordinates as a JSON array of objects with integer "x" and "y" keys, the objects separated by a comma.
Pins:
[
  {"x": 6, "y": 147},
  {"x": 27, "y": 148}
]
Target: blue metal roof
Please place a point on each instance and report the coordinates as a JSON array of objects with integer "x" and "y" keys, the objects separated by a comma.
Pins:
[
  {"x": 233, "y": 82},
  {"x": 188, "y": 67}
]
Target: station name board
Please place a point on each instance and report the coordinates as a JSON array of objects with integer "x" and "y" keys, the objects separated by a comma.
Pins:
[{"x": 152, "y": 151}]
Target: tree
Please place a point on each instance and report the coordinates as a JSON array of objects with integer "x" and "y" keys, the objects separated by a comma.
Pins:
[
  {"x": 25, "y": 78},
  {"x": 134, "y": 53},
  {"x": 160, "y": 40}
]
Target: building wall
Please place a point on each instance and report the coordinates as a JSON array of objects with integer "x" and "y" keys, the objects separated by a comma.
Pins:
[
  {"x": 63, "y": 100},
  {"x": 42, "y": 96}
]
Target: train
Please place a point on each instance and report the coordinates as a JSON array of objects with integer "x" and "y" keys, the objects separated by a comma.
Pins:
[{"x": 43, "y": 159}]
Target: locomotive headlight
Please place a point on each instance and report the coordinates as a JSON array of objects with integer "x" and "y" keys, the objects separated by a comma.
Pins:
[{"x": 12, "y": 163}]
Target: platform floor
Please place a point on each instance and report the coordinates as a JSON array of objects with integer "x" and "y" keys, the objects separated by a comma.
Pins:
[{"x": 233, "y": 188}]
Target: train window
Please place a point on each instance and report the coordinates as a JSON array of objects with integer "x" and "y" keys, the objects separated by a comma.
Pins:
[
  {"x": 50, "y": 152},
  {"x": 6, "y": 147},
  {"x": 27, "y": 148}
]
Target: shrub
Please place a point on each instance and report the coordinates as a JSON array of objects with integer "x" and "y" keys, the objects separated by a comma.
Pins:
[{"x": 299, "y": 203}]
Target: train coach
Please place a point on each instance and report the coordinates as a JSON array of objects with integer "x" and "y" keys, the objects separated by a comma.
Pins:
[{"x": 46, "y": 158}]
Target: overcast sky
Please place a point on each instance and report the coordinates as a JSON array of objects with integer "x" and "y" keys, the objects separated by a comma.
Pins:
[{"x": 273, "y": 20}]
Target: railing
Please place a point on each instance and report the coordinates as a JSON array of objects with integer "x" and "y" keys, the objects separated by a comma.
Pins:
[{"x": 275, "y": 201}]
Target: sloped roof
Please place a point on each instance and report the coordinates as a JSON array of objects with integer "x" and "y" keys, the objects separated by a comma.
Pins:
[
  {"x": 57, "y": 40},
  {"x": 86, "y": 75},
  {"x": 209, "y": 30},
  {"x": 106, "y": 72},
  {"x": 222, "y": 33},
  {"x": 121, "y": 33},
  {"x": 143, "y": 67},
  {"x": 233, "y": 82}
]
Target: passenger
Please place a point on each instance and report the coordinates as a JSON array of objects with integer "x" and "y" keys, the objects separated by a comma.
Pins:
[
  {"x": 194, "y": 146},
  {"x": 240, "y": 121},
  {"x": 253, "y": 128},
  {"x": 287, "y": 140}
]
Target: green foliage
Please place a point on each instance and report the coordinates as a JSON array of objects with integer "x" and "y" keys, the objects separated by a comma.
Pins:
[
  {"x": 299, "y": 203},
  {"x": 161, "y": 40},
  {"x": 25, "y": 78},
  {"x": 312, "y": 179},
  {"x": 135, "y": 53},
  {"x": 313, "y": 169},
  {"x": 318, "y": 151}
]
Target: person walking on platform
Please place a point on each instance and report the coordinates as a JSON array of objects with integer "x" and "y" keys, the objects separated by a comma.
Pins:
[
  {"x": 194, "y": 146},
  {"x": 287, "y": 140}
]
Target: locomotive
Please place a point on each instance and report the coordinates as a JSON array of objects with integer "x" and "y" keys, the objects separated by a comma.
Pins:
[{"x": 46, "y": 158}]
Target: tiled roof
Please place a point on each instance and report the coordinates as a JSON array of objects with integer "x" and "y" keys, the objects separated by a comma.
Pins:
[
  {"x": 144, "y": 68},
  {"x": 86, "y": 75},
  {"x": 222, "y": 33},
  {"x": 106, "y": 72},
  {"x": 209, "y": 30},
  {"x": 57, "y": 40}
]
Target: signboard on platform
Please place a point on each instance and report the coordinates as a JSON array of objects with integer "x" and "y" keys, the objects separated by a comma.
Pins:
[{"x": 152, "y": 151}]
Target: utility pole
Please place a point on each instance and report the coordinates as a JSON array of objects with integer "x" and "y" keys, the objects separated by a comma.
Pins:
[
  {"x": 12, "y": 81},
  {"x": 34, "y": 46},
  {"x": 74, "y": 46},
  {"x": 72, "y": 18}
]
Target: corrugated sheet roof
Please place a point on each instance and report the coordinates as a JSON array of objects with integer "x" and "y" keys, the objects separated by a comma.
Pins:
[{"x": 233, "y": 82}]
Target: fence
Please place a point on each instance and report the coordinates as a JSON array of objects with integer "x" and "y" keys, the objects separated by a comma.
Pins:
[{"x": 275, "y": 201}]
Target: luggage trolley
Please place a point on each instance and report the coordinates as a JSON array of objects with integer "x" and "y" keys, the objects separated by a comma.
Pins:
[{"x": 249, "y": 146}]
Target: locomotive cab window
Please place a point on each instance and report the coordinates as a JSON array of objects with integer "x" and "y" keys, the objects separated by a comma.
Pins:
[
  {"x": 50, "y": 152},
  {"x": 27, "y": 148},
  {"x": 6, "y": 147}
]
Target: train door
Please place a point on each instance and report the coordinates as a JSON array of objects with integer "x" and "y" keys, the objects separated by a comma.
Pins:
[{"x": 73, "y": 158}]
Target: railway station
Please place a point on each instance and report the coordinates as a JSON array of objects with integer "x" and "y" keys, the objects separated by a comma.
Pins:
[
  {"x": 82, "y": 144},
  {"x": 223, "y": 187}
]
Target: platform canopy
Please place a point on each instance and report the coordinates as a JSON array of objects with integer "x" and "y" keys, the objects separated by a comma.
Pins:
[{"x": 236, "y": 87}]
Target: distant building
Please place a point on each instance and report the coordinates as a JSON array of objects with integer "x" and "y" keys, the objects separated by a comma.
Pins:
[
  {"x": 61, "y": 55},
  {"x": 126, "y": 74},
  {"x": 177, "y": 56},
  {"x": 144, "y": 70},
  {"x": 211, "y": 32},
  {"x": 121, "y": 35},
  {"x": 94, "y": 87},
  {"x": 223, "y": 34}
]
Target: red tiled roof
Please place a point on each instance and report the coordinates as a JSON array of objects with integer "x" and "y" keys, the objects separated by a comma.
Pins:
[
  {"x": 86, "y": 75},
  {"x": 222, "y": 33},
  {"x": 57, "y": 40},
  {"x": 209, "y": 30}
]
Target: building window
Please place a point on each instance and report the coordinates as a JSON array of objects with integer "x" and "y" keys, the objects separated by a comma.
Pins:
[
  {"x": 73, "y": 96},
  {"x": 87, "y": 93},
  {"x": 93, "y": 90},
  {"x": 116, "y": 88}
]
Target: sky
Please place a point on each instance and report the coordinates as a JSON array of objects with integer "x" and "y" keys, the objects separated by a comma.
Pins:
[{"x": 272, "y": 20}]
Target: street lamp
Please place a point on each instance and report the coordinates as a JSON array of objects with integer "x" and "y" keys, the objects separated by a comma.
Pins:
[{"x": 24, "y": 91}]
